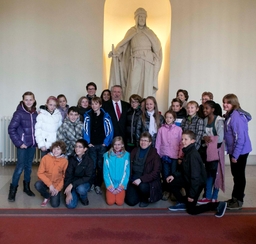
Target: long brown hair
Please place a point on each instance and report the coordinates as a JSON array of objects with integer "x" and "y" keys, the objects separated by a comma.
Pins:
[
  {"x": 232, "y": 99},
  {"x": 156, "y": 114}
]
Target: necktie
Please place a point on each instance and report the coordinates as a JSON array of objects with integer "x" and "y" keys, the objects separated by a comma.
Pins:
[{"x": 118, "y": 111}]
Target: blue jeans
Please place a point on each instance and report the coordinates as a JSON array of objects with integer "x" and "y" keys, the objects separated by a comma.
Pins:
[
  {"x": 168, "y": 169},
  {"x": 96, "y": 154},
  {"x": 44, "y": 191},
  {"x": 25, "y": 159},
  {"x": 211, "y": 170},
  {"x": 79, "y": 192},
  {"x": 211, "y": 193}
]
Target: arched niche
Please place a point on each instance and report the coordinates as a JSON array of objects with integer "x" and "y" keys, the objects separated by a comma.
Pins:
[{"x": 119, "y": 17}]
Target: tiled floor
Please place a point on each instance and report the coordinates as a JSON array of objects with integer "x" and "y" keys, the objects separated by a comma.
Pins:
[{"x": 98, "y": 201}]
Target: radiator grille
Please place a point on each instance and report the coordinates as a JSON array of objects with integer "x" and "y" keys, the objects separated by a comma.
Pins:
[{"x": 9, "y": 151}]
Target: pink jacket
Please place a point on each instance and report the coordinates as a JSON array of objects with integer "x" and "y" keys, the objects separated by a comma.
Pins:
[{"x": 169, "y": 141}]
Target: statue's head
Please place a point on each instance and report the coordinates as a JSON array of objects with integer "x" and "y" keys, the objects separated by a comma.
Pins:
[{"x": 140, "y": 16}]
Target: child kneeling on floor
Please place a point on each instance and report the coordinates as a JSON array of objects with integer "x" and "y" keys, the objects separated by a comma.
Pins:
[
  {"x": 116, "y": 172},
  {"x": 51, "y": 173},
  {"x": 193, "y": 178},
  {"x": 78, "y": 176}
]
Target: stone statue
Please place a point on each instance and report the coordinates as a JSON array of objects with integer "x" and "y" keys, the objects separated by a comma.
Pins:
[{"x": 137, "y": 59}]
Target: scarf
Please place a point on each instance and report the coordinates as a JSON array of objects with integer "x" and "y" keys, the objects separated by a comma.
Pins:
[{"x": 152, "y": 123}]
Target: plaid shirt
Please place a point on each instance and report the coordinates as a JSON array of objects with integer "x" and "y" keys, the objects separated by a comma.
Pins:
[
  {"x": 70, "y": 132},
  {"x": 196, "y": 125}
]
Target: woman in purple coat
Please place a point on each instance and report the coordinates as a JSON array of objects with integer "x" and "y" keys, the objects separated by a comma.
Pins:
[
  {"x": 22, "y": 133},
  {"x": 238, "y": 146}
]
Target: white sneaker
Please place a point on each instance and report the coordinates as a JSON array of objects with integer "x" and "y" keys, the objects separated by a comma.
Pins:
[{"x": 98, "y": 190}]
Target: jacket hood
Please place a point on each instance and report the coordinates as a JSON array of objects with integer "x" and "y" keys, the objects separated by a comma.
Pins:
[
  {"x": 168, "y": 126},
  {"x": 21, "y": 107},
  {"x": 246, "y": 114},
  {"x": 61, "y": 156},
  {"x": 43, "y": 109}
]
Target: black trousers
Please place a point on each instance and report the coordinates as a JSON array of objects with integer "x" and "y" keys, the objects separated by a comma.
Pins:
[
  {"x": 238, "y": 173},
  {"x": 192, "y": 208},
  {"x": 135, "y": 194}
]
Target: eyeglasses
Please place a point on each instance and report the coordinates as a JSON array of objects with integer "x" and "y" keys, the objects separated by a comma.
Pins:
[
  {"x": 144, "y": 140},
  {"x": 91, "y": 89}
]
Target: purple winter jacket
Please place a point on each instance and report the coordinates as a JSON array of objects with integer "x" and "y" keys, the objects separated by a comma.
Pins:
[
  {"x": 22, "y": 127},
  {"x": 236, "y": 133}
]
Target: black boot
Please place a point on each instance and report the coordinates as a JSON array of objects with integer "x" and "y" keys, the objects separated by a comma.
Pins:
[
  {"x": 12, "y": 193},
  {"x": 26, "y": 189}
]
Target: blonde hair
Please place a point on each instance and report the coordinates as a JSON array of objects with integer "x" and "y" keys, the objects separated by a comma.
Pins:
[
  {"x": 193, "y": 103},
  {"x": 117, "y": 138}
]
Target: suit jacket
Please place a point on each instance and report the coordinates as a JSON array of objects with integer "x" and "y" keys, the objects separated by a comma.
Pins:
[{"x": 119, "y": 125}]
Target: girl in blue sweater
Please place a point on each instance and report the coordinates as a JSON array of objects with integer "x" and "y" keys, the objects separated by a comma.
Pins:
[{"x": 116, "y": 172}]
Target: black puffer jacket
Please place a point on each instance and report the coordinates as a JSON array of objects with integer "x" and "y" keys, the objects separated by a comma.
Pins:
[
  {"x": 133, "y": 116},
  {"x": 22, "y": 127},
  {"x": 141, "y": 127}
]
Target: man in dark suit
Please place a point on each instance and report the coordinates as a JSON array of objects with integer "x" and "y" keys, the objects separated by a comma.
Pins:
[{"x": 117, "y": 109}]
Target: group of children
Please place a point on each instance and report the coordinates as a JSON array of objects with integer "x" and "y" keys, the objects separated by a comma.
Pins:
[{"x": 75, "y": 153}]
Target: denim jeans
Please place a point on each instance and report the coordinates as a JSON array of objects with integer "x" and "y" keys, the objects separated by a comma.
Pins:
[
  {"x": 211, "y": 170},
  {"x": 44, "y": 191},
  {"x": 168, "y": 169},
  {"x": 211, "y": 192},
  {"x": 79, "y": 192},
  {"x": 25, "y": 158},
  {"x": 96, "y": 154}
]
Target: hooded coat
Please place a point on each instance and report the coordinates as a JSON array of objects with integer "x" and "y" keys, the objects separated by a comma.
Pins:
[
  {"x": 22, "y": 127},
  {"x": 236, "y": 134}
]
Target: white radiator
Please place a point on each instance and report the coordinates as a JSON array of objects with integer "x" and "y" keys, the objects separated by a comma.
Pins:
[{"x": 9, "y": 151}]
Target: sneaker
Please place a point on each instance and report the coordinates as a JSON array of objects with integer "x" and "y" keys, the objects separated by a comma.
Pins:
[
  {"x": 214, "y": 200},
  {"x": 165, "y": 196},
  {"x": 229, "y": 201},
  {"x": 234, "y": 204},
  {"x": 204, "y": 201},
  {"x": 143, "y": 204},
  {"x": 44, "y": 202},
  {"x": 178, "y": 207},
  {"x": 221, "y": 209},
  {"x": 92, "y": 187},
  {"x": 98, "y": 190}
]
